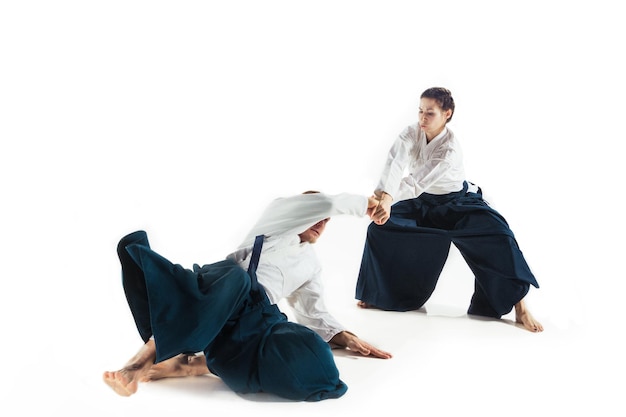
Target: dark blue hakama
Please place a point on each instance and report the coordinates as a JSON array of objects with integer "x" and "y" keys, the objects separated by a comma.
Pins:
[
  {"x": 219, "y": 309},
  {"x": 403, "y": 259}
]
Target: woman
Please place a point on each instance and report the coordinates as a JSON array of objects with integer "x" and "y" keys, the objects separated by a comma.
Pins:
[{"x": 407, "y": 245}]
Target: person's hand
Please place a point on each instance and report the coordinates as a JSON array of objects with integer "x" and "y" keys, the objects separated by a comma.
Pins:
[
  {"x": 350, "y": 341},
  {"x": 372, "y": 205},
  {"x": 380, "y": 214}
]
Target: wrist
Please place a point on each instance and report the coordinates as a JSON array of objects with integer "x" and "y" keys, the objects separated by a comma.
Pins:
[{"x": 342, "y": 338}]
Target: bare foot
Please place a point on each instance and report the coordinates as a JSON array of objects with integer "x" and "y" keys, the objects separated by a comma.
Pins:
[
  {"x": 125, "y": 381},
  {"x": 523, "y": 317},
  {"x": 363, "y": 304},
  {"x": 178, "y": 366}
]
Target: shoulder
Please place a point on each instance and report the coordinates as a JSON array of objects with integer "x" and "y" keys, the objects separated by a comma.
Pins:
[
  {"x": 410, "y": 132},
  {"x": 453, "y": 140},
  {"x": 451, "y": 147},
  {"x": 448, "y": 138},
  {"x": 450, "y": 135}
]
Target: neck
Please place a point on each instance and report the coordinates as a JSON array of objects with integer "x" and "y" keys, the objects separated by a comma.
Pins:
[{"x": 432, "y": 135}]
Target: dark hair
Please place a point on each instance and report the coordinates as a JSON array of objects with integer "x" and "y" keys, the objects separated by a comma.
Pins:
[{"x": 443, "y": 96}]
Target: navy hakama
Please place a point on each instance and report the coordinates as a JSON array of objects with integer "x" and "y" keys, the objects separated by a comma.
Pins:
[
  {"x": 221, "y": 310},
  {"x": 403, "y": 258}
]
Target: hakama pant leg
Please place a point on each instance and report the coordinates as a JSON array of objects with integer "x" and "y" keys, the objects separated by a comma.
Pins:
[
  {"x": 183, "y": 309},
  {"x": 403, "y": 259},
  {"x": 502, "y": 276},
  {"x": 296, "y": 363},
  {"x": 247, "y": 342},
  {"x": 134, "y": 283},
  {"x": 261, "y": 351},
  {"x": 401, "y": 264}
]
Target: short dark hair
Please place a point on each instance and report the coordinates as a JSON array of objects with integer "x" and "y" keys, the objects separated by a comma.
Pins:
[{"x": 443, "y": 96}]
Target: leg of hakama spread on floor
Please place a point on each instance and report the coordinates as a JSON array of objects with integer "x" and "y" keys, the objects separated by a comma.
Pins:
[
  {"x": 259, "y": 350},
  {"x": 401, "y": 262},
  {"x": 186, "y": 309},
  {"x": 295, "y": 363}
]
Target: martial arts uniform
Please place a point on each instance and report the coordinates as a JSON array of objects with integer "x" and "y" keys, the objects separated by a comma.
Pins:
[
  {"x": 289, "y": 269},
  {"x": 435, "y": 206},
  {"x": 221, "y": 310}
]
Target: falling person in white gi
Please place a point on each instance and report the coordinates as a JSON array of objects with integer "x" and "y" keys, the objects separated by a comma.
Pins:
[{"x": 288, "y": 269}]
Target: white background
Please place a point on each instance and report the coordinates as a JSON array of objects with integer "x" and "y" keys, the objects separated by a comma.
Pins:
[{"x": 186, "y": 118}]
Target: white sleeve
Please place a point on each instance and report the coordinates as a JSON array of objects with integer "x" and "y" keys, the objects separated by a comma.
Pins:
[
  {"x": 308, "y": 306},
  {"x": 396, "y": 163},
  {"x": 293, "y": 215}
]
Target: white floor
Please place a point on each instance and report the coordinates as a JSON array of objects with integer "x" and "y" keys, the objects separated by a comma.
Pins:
[
  {"x": 445, "y": 363},
  {"x": 186, "y": 119}
]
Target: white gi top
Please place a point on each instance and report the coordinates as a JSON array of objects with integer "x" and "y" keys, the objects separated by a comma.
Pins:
[
  {"x": 434, "y": 168},
  {"x": 289, "y": 269}
]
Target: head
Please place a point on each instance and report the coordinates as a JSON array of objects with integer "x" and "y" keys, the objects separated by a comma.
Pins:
[
  {"x": 313, "y": 233},
  {"x": 435, "y": 111}
]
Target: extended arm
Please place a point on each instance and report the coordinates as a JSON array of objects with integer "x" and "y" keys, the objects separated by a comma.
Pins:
[
  {"x": 297, "y": 213},
  {"x": 310, "y": 310}
]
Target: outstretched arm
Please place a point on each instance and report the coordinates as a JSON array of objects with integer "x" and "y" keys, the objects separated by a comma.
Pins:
[
  {"x": 350, "y": 341},
  {"x": 295, "y": 214}
]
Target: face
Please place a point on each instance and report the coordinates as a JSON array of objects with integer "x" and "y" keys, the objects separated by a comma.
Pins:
[
  {"x": 314, "y": 232},
  {"x": 432, "y": 118}
]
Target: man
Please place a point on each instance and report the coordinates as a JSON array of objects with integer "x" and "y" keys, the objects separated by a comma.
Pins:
[{"x": 222, "y": 311}]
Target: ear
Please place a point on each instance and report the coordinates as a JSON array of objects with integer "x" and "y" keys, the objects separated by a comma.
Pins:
[{"x": 448, "y": 114}]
